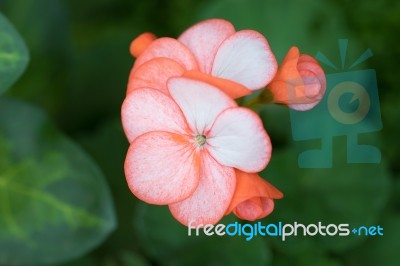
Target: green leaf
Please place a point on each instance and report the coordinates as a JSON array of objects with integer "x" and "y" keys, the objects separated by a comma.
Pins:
[
  {"x": 14, "y": 55},
  {"x": 54, "y": 202},
  {"x": 225, "y": 250},
  {"x": 383, "y": 250},
  {"x": 312, "y": 256},
  {"x": 167, "y": 241},
  {"x": 97, "y": 143},
  {"x": 355, "y": 194},
  {"x": 122, "y": 258}
]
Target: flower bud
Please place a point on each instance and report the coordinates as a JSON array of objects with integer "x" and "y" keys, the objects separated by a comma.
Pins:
[{"x": 300, "y": 81}]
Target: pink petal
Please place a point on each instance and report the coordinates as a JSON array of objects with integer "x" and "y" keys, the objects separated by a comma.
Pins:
[
  {"x": 314, "y": 80},
  {"x": 145, "y": 110},
  {"x": 210, "y": 200},
  {"x": 154, "y": 74},
  {"x": 204, "y": 38},
  {"x": 162, "y": 168},
  {"x": 246, "y": 58},
  {"x": 254, "y": 209},
  {"x": 168, "y": 48},
  {"x": 200, "y": 102},
  {"x": 238, "y": 139}
]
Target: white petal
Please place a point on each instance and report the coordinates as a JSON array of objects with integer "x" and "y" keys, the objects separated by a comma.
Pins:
[
  {"x": 168, "y": 48},
  {"x": 208, "y": 203},
  {"x": 238, "y": 139},
  {"x": 200, "y": 102},
  {"x": 204, "y": 38},
  {"x": 145, "y": 110},
  {"x": 162, "y": 168},
  {"x": 246, "y": 58}
]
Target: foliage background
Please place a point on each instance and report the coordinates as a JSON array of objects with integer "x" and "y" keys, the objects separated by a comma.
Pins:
[{"x": 79, "y": 64}]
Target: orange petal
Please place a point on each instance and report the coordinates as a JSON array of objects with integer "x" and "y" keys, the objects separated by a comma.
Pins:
[
  {"x": 231, "y": 88},
  {"x": 287, "y": 72},
  {"x": 140, "y": 44},
  {"x": 249, "y": 185},
  {"x": 154, "y": 74}
]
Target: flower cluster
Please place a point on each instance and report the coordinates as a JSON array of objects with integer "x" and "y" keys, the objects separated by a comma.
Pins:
[{"x": 191, "y": 146}]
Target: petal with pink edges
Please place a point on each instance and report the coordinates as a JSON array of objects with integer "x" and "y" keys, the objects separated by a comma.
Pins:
[
  {"x": 246, "y": 58},
  {"x": 200, "y": 102},
  {"x": 145, "y": 110},
  {"x": 154, "y": 74},
  {"x": 254, "y": 209},
  {"x": 162, "y": 168},
  {"x": 211, "y": 198},
  {"x": 204, "y": 38},
  {"x": 238, "y": 139},
  {"x": 168, "y": 48}
]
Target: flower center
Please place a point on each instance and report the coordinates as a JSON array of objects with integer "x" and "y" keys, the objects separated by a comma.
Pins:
[{"x": 200, "y": 140}]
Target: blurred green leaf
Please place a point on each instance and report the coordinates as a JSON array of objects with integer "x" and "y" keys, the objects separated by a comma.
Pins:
[
  {"x": 381, "y": 250},
  {"x": 167, "y": 241},
  {"x": 14, "y": 55},
  {"x": 158, "y": 232},
  {"x": 108, "y": 146},
  {"x": 234, "y": 251},
  {"x": 55, "y": 204},
  {"x": 346, "y": 193},
  {"x": 312, "y": 256},
  {"x": 123, "y": 258}
]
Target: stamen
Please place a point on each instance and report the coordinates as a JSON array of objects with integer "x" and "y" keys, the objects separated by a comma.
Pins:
[{"x": 200, "y": 140}]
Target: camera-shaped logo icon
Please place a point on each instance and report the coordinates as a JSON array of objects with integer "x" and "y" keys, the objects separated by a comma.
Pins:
[{"x": 350, "y": 107}]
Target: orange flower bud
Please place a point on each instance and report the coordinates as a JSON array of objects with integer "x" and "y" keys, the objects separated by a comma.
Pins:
[
  {"x": 300, "y": 81},
  {"x": 253, "y": 198}
]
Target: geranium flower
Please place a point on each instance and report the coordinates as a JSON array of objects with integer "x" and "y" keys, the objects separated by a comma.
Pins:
[
  {"x": 300, "y": 81},
  {"x": 184, "y": 148},
  {"x": 253, "y": 198},
  {"x": 210, "y": 51}
]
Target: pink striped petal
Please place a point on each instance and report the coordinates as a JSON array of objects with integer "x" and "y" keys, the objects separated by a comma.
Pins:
[
  {"x": 204, "y": 38},
  {"x": 145, "y": 110},
  {"x": 314, "y": 80},
  {"x": 238, "y": 139},
  {"x": 254, "y": 209},
  {"x": 246, "y": 58},
  {"x": 162, "y": 168},
  {"x": 200, "y": 102},
  {"x": 210, "y": 200},
  {"x": 168, "y": 48},
  {"x": 154, "y": 74}
]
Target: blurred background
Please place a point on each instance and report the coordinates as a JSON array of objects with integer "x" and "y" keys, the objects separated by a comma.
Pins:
[{"x": 77, "y": 75}]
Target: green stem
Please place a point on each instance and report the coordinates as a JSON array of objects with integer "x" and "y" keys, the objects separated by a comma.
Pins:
[{"x": 265, "y": 97}]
